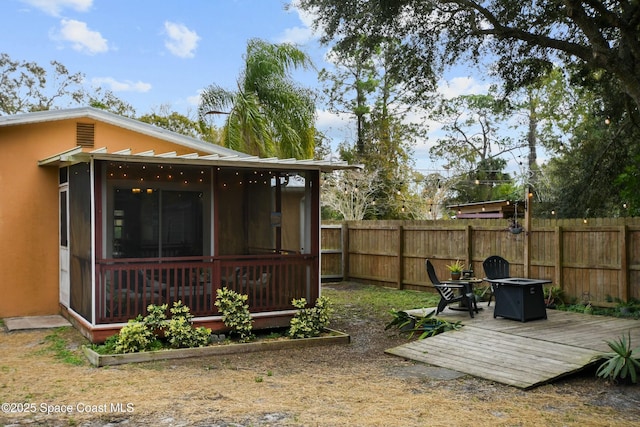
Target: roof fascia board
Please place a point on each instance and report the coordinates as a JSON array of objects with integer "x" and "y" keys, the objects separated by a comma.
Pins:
[
  {"x": 64, "y": 157},
  {"x": 253, "y": 162}
]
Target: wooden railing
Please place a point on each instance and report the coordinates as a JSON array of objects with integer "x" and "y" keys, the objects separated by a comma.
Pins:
[{"x": 125, "y": 287}]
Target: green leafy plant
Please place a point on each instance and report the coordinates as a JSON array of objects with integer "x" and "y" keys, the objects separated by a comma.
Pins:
[
  {"x": 402, "y": 321},
  {"x": 180, "y": 331},
  {"x": 143, "y": 333},
  {"x": 135, "y": 336},
  {"x": 553, "y": 296},
  {"x": 427, "y": 325},
  {"x": 310, "y": 322},
  {"x": 235, "y": 313},
  {"x": 621, "y": 362},
  {"x": 456, "y": 267},
  {"x": 156, "y": 317},
  {"x": 627, "y": 307}
]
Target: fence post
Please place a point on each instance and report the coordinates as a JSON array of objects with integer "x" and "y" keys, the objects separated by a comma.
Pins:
[
  {"x": 558, "y": 258},
  {"x": 345, "y": 250},
  {"x": 623, "y": 290},
  {"x": 469, "y": 245},
  {"x": 400, "y": 261}
]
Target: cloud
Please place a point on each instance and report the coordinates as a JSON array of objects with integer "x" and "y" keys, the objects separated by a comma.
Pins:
[
  {"x": 54, "y": 7},
  {"x": 81, "y": 37},
  {"x": 295, "y": 35},
  {"x": 299, "y": 34},
  {"x": 125, "y": 86},
  {"x": 181, "y": 41},
  {"x": 457, "y": 86},
  {"x": 337, "y": 127},
  {"x": 194, "y": 99}
]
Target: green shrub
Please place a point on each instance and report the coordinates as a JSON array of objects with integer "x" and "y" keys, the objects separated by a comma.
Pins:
[
  {"x": 235, "y": 313},
  {"x": 309, "y": 322},
  {"x": 180, "y": 331},
  {"x": 141, "y": 334},
  {"x": 134, "y": 336},
  {"x": 156, "y": 317}
]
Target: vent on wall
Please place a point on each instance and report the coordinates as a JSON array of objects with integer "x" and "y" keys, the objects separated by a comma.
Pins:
[{"x": 85, "y": 134}]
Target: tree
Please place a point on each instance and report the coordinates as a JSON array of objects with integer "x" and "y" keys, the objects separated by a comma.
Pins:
[
  {"x": 182, "y": 124},
  {"x": 474, "y": 144},
  {"x": 268, "y": 114},
  {"x": 526, "y": 38},
  {"x": 349, "y": 195},
  {"x": 592, "y": 172},
  {"x": 108, "y": 101},
  {"x": 27, "y": 87},
  {"x": 348, "y": 87},
  {"x": 365, "y": 86}
]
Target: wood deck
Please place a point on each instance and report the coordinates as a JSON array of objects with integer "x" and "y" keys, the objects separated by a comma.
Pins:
[{"x": 519, "y": 354}]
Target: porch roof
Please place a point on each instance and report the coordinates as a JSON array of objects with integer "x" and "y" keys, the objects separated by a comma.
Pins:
[
  {"x": 77, "y": 155},
  {"x": 217, "y": 155}
]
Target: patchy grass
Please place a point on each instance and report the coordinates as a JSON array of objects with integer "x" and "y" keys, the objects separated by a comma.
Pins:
[
  {"x": 59, "y": 345},
  {"x": 371, "y": 301}
]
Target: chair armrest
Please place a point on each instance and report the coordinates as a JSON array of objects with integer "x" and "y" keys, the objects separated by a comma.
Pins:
[{"x": 451, "y": 285}]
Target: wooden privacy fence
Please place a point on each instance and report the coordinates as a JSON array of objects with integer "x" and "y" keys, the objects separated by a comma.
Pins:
[{"x": 597, "y": 261}]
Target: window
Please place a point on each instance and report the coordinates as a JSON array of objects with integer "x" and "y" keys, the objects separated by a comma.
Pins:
[{"x": 153, "y": 223}]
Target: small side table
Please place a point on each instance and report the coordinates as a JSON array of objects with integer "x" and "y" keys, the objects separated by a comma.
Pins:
[
  {"x": 520, "y": 298},
  {"x": 469, "y": 284}
]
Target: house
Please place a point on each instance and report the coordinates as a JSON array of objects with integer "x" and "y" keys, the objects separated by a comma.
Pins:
[{"x": 102, "y": 215}]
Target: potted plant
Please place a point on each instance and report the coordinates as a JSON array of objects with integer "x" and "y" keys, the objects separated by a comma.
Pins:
[{"x": 456, "y": 269}]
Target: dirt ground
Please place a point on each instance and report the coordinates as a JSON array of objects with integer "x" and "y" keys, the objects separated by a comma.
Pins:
[{"x": 338, "y": 385}]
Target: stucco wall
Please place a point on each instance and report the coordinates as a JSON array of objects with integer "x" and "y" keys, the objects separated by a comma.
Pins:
[{"x": 29, "y": 218}]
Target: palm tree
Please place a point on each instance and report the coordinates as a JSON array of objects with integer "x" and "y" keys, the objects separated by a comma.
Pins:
[{"x": 268, "y": 115}]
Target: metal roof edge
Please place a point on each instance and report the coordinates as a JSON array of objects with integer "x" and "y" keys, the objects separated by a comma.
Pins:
[
  {"x": 232, "y": 161},
  {"x": 116, "y": 120}
]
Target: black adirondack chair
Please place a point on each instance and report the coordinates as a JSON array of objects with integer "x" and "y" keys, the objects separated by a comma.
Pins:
[
  {"x": 451, "y": 292},
  {"x": 495, "y": 267}
]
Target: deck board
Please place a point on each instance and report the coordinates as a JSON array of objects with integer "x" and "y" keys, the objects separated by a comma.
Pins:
[{"x": 519, "y": 354}]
